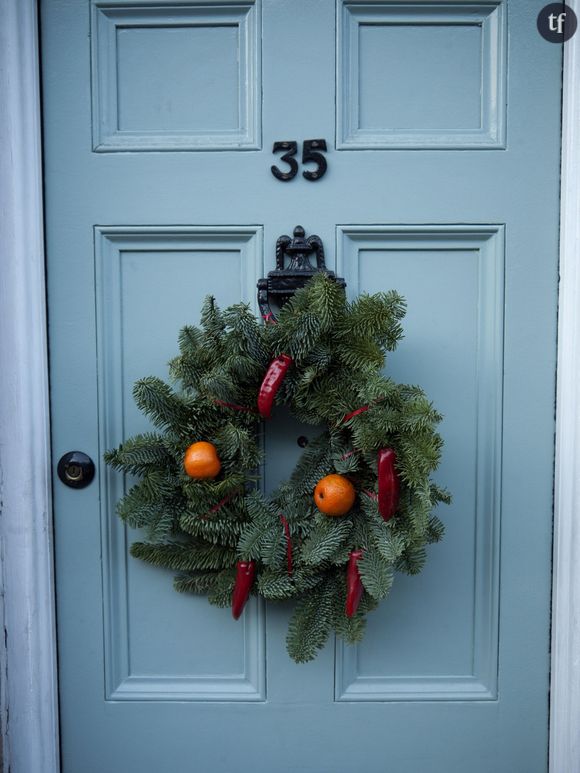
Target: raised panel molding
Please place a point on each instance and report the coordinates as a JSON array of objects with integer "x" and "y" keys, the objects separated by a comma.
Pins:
[
  {"x": 176, "y": 76},
  {"x": 485, "y": 245},
  {"x": 113, "y": 245},
  {"x": 442, "y": 81}
]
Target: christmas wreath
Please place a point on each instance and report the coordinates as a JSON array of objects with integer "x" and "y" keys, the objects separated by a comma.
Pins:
[{"x": 356, "y": 508}]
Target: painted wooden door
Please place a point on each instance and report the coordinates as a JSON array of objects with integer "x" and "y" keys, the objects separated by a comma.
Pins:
[{"x": 442, "y": 125}]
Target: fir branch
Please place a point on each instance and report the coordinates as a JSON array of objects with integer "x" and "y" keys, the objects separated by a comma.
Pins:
[
  {"x": 311, "y": 622},
  {"x": 212, "y": 322},
  {"x": 389, "y": 544},
  {"x": 222, "y": 530},
  {"x": 238, "y": 446},
  {"x": 436, "y": 530},
  {"x": 361, "y": 354},
  {"x": 163, "y": 523},
  {"x": 190, "y": 341},
  {"x": 157, "y": 400},
  {"x": 198, "y": 582},
  {"x": 140, "y": 453},
  {"x": 412, "y": 560},
  {"x": 376, "y": 573},
  {"x": 185, "y": 557},
  {"x": 202, "y": 495},
  {"x": 273, "y": 546},
  {"x": 326, "y": 537},
  {"x": 439, "y": 494},
  {"x": 148, "y": 500},
  {"x": 376, "y": 317},
  {"x": 351, "y": 629},
  {"x": 275, "y": 585},
  {"x": 221, "y": 594},
  {"x": 250, "y": 542}
]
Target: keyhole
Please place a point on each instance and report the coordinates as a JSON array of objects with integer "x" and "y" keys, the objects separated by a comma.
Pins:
[{"x": 74, "y": 472}]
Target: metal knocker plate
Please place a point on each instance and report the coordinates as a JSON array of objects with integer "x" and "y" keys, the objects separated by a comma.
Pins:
[{"x": 282, "y": 283}]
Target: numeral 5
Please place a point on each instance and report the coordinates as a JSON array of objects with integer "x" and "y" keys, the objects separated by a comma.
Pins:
[{"x": 310, "y": 152}]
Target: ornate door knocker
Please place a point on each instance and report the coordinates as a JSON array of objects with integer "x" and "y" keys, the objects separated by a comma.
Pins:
[{"x": 282, "y": 283}]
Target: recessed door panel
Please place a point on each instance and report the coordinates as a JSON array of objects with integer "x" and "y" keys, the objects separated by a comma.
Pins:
[
  {"x": 452, "y": 279},
  {"x": 160, "y": 645}
]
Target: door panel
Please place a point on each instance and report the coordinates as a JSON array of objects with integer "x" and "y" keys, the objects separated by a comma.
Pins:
[
  {"x": 449, "y": 88},
  {"x": 159, "y": 646},
  {"x": 141, "y": 100},
  {"x": 452, "y": 279},
  {"x": 442, "y": 124}
]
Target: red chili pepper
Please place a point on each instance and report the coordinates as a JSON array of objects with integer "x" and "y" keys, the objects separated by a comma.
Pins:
[
  {"x": 354, "y": 586},
  {"x": 245, "y": 573},
  {"x": 274, "y": 377},
  {"x": 388, "y": 483}
]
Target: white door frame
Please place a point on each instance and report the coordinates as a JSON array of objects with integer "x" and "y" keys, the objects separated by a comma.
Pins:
[
  {"x": 565, "y": 683},
  {"x": 28, "y": 684},
  {"x": 29, "y": 707}
]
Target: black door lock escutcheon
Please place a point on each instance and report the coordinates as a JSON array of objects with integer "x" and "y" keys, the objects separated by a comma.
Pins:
[{"x": 76, "y": 469}]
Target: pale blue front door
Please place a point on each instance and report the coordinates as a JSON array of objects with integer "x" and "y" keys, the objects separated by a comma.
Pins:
[{"x": 442, "y": 124}]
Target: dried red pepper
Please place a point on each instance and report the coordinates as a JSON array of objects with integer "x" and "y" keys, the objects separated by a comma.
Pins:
[
  {"x": 274, "y": 377},
  {"x": 245, "y": 573},
  {"x": 388, "y": 483},
  {"x": 354, "y": 586}
]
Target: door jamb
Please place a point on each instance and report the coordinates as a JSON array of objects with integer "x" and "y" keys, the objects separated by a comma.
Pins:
[
  {"x": 565, "y": 662},
  {"x": 28, "y": 683},
  {"x": 29, "y": 688}
]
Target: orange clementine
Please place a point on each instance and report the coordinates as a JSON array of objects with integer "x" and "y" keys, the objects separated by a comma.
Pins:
[
  {"x": 201, "y": 461},
  {"x": 334, "y": 495}
]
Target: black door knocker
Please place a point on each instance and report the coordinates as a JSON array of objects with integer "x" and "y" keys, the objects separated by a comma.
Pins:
[{"x": 281, "y": 284}]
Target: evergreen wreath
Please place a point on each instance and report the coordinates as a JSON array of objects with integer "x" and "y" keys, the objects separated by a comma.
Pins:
[{"x": 356, "y": 508}]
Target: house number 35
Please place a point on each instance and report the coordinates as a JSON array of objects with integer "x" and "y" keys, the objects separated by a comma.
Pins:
[{"x": 310, "y": 152}]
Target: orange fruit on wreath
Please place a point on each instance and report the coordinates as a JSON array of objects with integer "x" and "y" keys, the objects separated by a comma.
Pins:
[
  {"x": 201, "y": 461},
  {"x": 334, "y": 495}
]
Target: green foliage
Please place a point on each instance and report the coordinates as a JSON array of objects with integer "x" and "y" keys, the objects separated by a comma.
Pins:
[
  {"x": 376, "y": 573},
  {"x": 311, "y": 622},
  {"x": 325, "y": 539},
  {"x": 157, "y": 401},
  {"x": 201, "y": 528},
  {"x": 184, "y": 556},
  {"x": 140, "y": 454}
]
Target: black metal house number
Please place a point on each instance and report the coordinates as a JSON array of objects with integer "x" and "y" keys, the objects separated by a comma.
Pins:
[{"x": 310, "y": 152}]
